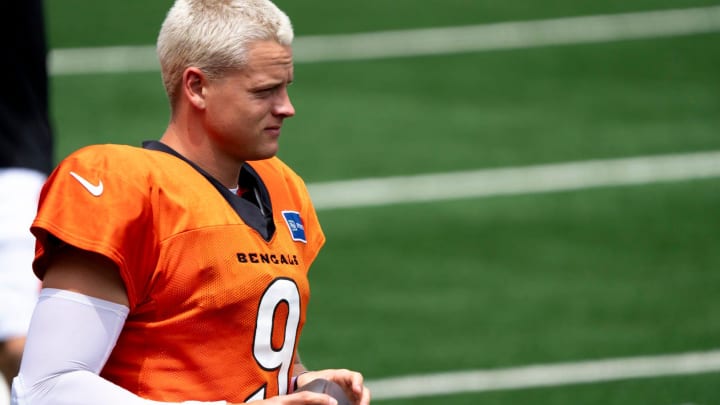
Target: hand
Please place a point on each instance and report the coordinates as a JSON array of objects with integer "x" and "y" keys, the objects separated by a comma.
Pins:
[{"x": 351, "y": 381}]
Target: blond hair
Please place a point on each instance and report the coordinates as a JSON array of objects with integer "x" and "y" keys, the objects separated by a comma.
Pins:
[{"x": 214, "y": 36}]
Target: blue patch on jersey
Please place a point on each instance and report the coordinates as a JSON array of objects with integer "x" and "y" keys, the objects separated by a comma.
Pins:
[{"x": 295, "y": 225}]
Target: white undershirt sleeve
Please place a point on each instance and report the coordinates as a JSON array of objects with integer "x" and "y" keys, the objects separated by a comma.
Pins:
[{"x": 70, "y": 338}]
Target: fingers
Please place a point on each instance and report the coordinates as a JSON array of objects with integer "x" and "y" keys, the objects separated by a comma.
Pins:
[
  {"x": 364, "y": 397},
  {"x": 360, "y": 393},
  {"x": 352, "y": 383},
  {"x": 356, "y": 383},
  {"x": 308, "y": 398}
]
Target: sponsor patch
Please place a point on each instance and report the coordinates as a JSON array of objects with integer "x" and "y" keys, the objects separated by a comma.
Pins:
[{"x": 295, "y": 225}]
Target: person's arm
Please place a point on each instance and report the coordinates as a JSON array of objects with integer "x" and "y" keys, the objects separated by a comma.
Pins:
[
  {"x": 86, "y": 273},
  {"x": 75, "y": 326},
  {"x": 76, "y": 323}
]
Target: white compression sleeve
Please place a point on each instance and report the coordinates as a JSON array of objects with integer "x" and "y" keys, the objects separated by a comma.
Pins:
[{"x": 70, "y": 339}]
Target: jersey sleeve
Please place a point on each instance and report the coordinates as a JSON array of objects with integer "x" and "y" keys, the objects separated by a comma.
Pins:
[
  {"x": 95, "y": 200},
  {"x": 316, "y": 236},
  {"x": 301, "y": 196}
]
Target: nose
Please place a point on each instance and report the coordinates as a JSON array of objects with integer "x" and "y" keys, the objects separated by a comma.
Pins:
[{"x": 283, "y": 106}]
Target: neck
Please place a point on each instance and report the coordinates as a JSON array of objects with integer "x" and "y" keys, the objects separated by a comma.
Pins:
[{"x": 201, "y": 151}]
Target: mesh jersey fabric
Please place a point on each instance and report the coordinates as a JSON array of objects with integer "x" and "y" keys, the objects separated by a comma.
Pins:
[{"x": 216, "y": 311}]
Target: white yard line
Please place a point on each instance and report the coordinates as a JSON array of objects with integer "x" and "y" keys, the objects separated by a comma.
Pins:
[
  {"x": 515, "y": 180},
  {"x": 509, "y": 35},
  {"x": 545, "y": 375},
  {"x": 429, "y": 41}
]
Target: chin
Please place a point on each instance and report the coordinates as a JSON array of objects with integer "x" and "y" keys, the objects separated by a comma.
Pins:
[{"x": 266, "y": 154}]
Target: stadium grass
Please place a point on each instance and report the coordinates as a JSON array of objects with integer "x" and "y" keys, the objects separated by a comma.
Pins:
[
  {"x": 445, "y": 113},
  {"x": 457, "y": 112},
  {"x": 699, "y": 390},
  {"x": 78, "y": 23},
  {"x": 517, "y": 280},
  {"x": 313, "y": 17},
  {"x": 92, "y": 109}
]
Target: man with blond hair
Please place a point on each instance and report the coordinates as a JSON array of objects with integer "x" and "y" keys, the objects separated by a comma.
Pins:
[{"x": 177, "y": 272}]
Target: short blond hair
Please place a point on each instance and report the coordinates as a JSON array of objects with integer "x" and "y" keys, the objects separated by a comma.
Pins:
[{"x": 214, "y": 36}]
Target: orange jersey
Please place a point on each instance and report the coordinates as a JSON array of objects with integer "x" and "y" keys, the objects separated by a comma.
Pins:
[{"x": 216, "y": 309}]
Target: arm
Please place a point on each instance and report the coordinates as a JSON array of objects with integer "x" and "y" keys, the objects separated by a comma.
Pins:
[
  {"x": 85, "y": 273},
  {"x": 78, "y": 318},
  {"x": 76, "y": 323}
]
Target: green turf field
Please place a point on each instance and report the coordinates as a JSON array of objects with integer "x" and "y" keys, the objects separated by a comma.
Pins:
[{"x": 476, "y": 283}]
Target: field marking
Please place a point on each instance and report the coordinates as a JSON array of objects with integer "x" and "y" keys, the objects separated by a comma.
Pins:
[
  {"x": 428, "y": 41},
  {"x": 545, "y": 375},
  {"x": 509, "y": 35},
  {"x": 515, "y": 180}
]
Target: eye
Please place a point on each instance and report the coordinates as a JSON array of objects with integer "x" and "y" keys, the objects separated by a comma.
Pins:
[{"x": 264, "y": 92}]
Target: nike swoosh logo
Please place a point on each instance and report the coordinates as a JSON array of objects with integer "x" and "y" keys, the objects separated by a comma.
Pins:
[{"x": 95, "y": 190}]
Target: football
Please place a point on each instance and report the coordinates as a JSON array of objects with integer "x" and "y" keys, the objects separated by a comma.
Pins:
[{"x": 328, "y": 387}]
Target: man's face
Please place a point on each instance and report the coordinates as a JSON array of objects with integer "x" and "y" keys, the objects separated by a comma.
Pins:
[{"x": 246, "y": 108}]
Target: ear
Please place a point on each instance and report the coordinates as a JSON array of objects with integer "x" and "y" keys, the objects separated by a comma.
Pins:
[{"x": 194, "y": 86}]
